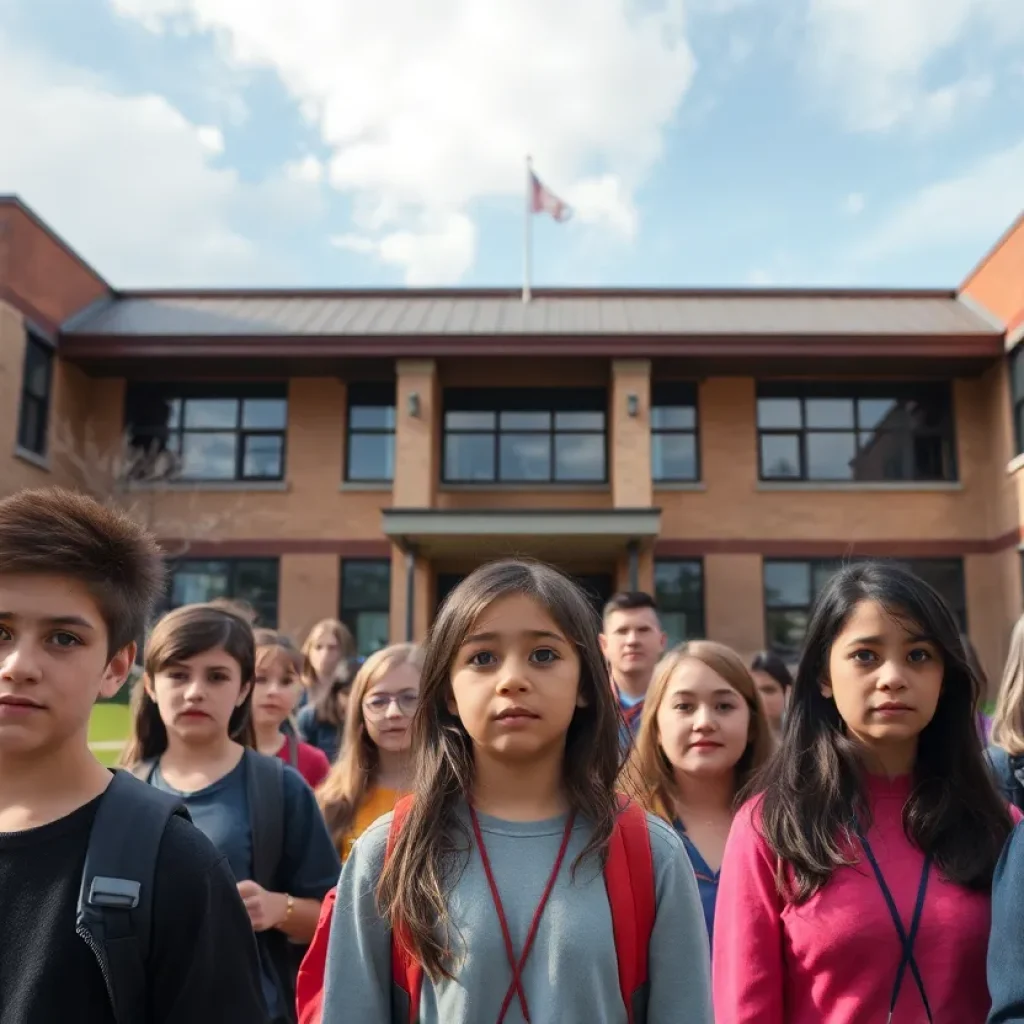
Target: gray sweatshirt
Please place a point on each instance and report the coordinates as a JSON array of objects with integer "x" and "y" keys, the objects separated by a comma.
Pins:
[{"x": 571, "y": 976}]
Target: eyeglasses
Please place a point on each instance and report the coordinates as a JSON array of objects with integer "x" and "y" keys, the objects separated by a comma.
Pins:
[{"x": 378, "y": 706}]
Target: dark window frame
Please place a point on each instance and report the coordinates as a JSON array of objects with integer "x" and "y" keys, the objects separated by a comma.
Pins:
[
  {"x": 369, "y": 396},
  {"x": 348, "y": 613},
  {"x": 676, "y": 395},
  {"x": 856, "y": 391},
  {"x": 499, "y": 401},
  {"x": 39, "y": 347},
  {"x": 234, "y": 564},
  {"x": 1016, "y": 375},
  {"x": 699, "y": 610},
  {"x": 832, "y": 565},
  {"x": 238, "y": 393}
]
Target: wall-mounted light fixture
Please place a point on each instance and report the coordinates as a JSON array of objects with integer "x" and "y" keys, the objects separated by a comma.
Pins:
[
  {"x": 633, "y": 404},
  {"x": 413, "y": 404}
]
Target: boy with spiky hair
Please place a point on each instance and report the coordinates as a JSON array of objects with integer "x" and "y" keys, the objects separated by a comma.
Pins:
[{"x": 115, "y": 909}]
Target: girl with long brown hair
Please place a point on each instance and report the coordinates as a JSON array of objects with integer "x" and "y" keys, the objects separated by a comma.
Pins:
[
  {"x": 494, "y": 887},
  {"x": 703, "y": 735},
  {"x": 328, "y": 645},
  {"x": 192, "y": 736}
]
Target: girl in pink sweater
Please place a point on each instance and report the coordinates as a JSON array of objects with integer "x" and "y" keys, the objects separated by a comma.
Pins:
[{"x": 855, "y": 888}]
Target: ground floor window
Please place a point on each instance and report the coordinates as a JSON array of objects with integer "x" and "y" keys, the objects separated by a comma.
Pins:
[
  {"x": 679, "y": 591},
  {"x": 791, "y": 585},
  {"x": 251, "y": 580},
  {"x": 366, "y": 602}
]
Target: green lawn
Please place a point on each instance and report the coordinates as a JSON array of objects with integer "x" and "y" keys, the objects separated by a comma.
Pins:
[{"x": 108, "y": 729}]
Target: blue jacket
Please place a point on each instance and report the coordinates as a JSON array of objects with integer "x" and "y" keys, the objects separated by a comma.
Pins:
[
  {"x": 1006, "y": 942},
  {"x": 319, "y": 734},
  {"x": 1008, "y": 775}
]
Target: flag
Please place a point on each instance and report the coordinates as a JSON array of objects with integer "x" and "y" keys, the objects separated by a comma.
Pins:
[{"x": 543, "y": 200}]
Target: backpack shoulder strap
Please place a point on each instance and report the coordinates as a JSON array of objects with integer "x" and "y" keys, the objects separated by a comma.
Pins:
[
  {"x": 406, "y": 970},
  {"x": 293, "y": 750},
  {"x": 629, "y": 878},
  {"x": 309, "y": 986},
  {"x": 115, "y": 902},
  {"x": 264, "y": 784}
]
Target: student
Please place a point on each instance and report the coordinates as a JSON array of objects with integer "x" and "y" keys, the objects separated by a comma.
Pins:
[
  {"x": 774, "y": 684},
  {"x": 374, "y": 770},
  {"x": 1006, "y": 751},
  {"x": 329, "y": 645},
  {"x": 632, "y": 641},
  {"x": 1006, "y": 942},
  {"x": 77, "y": 585},
  {"x": 498, "y": 861},
  {"x": 322, "y": 723},
  {"x": 857, "y": 886},
  {"x": 192, "y": 730},
  {"x": 275, "y": 692},
  {"x": 703, "y": 735}
]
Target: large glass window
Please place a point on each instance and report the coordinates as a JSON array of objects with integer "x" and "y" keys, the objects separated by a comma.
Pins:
[
  {"x": 36, "y": 382},
  {"x": 371, "y": 433},
  {"x": 1017, "y": 393},
  {"x": 865, "y": 432},
  {"x": 211, "y": 432},
  {"x": 674, "y": 450},
  {"x": 366, "y": 602},
  {"x": 791, "y": 585},
  {"x": 252, "y": 580},
  {"x": 679, "y": 591},
  {"x": 525, "y": 435}
]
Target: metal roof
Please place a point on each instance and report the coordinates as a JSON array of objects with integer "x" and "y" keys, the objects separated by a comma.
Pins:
[{"x": 483, "y": 314}]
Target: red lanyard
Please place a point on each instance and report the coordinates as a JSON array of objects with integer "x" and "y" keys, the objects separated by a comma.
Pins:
[{"x": 516, "y": 986}]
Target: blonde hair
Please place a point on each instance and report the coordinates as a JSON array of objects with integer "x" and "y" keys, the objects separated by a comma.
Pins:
[
  {"x": 341, "y": 634},
  {"x": 1008, "y": 718},
  {"x": 648, "y": 772},
  {"x": 354, "y": 773}
]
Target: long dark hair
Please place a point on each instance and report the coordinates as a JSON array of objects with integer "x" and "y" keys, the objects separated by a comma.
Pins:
[
  {"x": 414, "y": 886},
  {"x": 813, "y": 790},
  {"x": 178, "y": 636}
]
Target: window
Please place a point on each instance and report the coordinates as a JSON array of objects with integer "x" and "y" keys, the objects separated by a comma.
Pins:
[
  {"x": 253, "y": 580},
  {"x": 674, "y": 452},
  {"x": 36, "y": 381},
  {"x": 371, "y": 433},
  {"x": 866, "y": 432},
  {"x": 790, "y": 588},
  {"x": 1017, "y": 393},
  {"x": 525, "y": 435},
  {"x": 210, "y": 432},
  {"x": 679, "y": 591},
  {"x": 366, "y": 602}
]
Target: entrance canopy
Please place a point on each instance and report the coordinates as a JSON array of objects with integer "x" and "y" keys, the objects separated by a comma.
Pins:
[{"x": 551, "y": 534}]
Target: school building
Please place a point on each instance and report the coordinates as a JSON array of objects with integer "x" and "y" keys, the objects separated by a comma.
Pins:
[{"x": 348, "y": 453}]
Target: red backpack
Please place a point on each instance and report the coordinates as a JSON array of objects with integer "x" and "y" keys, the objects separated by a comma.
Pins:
[{"x": 629, "y": 879}]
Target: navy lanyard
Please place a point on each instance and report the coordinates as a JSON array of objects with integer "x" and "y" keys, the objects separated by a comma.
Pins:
[{"x": 906, "y": 940}]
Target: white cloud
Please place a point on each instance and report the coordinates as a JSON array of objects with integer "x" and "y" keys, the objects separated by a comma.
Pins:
[
  {"x": 965, "y": 212},
  {"x": 210, "y": 138},
  {"x": 853, "y": 204},
  {"x": 308, "y": 169},
  {"x": 878, "y": 60},
  {"x": 605, "y": 202},
  {"x": 428, "y": 108}
]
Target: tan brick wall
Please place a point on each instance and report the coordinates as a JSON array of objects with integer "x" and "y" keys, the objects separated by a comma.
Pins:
[
  {"x": 309, "y": 591},
  {"x": 630, "y": 436},
  {"x": 417, "y": 437},
  {"x": 734, "y": 601}
]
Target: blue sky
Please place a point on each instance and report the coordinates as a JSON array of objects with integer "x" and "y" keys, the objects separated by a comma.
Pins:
[{"x": 336, "y": 143}]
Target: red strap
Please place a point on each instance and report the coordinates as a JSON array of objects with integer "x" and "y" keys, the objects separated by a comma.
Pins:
[
  {"x": 406, "y": 970},
  {"x": 629, "y": 878},
  {"x": 309, "y": 986}
]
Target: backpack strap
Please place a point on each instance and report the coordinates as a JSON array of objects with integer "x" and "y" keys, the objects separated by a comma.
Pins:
[
  {"x": 115, "y": 902},
  {"x": 629, "y": 879},
  {"x": 293, "y": 750},
  {"x": 309, "y": 986},
  {"x": 264, "y": 785},
  {"x": 406, "y": 970}
]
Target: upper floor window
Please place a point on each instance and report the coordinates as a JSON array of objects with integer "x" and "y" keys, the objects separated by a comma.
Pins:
[
  {"x": 674, "y": 452},
  {"x": 212, "y": 432},
  {"x": 791, "y": 586},
  {"x": 371, "y": 432},
  {"x": 679, "y": 591},
  {"x": 862, "y": 431},
  {"x": 525, "y": 435},
  {"x": 253, "y": 581},
  {"x": 1017, "y": 393},
  {"x": 36, "y": 383}
]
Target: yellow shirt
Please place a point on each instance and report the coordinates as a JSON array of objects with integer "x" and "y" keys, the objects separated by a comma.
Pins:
[{"x": 376, "y": 803}]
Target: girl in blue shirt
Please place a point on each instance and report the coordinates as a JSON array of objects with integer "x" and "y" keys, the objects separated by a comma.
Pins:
[{"x": 703, "y": 734}]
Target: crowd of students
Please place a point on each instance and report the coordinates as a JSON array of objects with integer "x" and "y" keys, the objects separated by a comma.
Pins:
[{"x": 537, "y": 816}]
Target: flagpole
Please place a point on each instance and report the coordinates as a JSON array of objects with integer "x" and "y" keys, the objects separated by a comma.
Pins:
[{"x": 528, "y": 230}]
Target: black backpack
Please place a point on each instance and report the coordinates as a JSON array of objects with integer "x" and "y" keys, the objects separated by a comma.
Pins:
[{"x": 115, "y": 902}]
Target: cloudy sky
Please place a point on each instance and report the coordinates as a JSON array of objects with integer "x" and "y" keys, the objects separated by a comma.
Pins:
[{"x": 345, "y": 143}]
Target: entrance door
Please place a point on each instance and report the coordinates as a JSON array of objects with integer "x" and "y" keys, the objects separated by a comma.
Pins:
[{"x": 598, "y": 587}]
